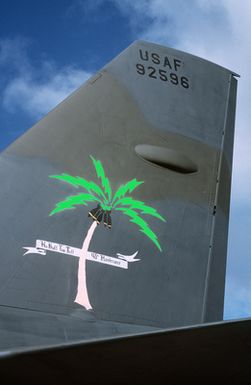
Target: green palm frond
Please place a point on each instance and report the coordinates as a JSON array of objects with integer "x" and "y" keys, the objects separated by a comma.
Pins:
[
  {"x": 126, "y": 188},
  {"x": 71, "y": 201},
  {"x": 102, "y": 195},
  {"x": 67, "y": 178},
  {"x": 104, "y": 180},
  {"x": 144, "y": 228},
  {"x": 77, "y": 182},
  {"x": 139, "y": 205}
]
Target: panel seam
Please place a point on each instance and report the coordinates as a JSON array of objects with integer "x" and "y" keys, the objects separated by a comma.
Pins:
[{"x": 218, "y": 175}]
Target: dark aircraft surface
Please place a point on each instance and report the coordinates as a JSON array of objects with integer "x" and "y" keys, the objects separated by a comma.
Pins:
[
  {"x": 215, "y": 353},
  {"x": 114, "y": 208}
]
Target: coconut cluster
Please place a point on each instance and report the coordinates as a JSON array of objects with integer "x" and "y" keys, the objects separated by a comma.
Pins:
[{"x": 99, "y": 214}]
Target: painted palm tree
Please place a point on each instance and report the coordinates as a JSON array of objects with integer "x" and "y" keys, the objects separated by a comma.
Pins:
[{"x": 105, "y": 202}]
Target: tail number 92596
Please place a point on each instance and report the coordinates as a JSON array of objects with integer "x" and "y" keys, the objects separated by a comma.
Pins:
[{"x": 163, "y": 75}]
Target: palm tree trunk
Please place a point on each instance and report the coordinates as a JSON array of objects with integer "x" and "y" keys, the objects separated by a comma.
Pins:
[{"x": 82, "y": 297}]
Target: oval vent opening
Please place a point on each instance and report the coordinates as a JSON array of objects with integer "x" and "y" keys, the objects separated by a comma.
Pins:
[{"x": 167, "y": 158}]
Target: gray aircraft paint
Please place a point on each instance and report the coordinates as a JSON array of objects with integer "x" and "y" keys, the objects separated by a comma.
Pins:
[{"x": 176, "y": 138}]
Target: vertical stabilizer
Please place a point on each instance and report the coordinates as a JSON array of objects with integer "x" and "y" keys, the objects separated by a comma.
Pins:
[{"x": 117, "y": 201}]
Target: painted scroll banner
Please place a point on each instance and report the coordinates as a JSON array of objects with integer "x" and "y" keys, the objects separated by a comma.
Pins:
[
  {"x": 65, "y": 249},
  {"x": 42, "y": 246}
]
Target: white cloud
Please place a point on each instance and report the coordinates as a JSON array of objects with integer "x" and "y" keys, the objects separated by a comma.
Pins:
[
  {"x": 34, "y": 90},
  {"x": 36, "y": 98}
]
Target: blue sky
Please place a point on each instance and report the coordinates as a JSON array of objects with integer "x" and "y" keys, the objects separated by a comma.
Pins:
[{"x": 49, "y": 48}]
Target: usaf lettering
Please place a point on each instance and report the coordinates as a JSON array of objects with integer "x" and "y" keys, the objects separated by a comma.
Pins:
[{"x": 164, "y": 74}]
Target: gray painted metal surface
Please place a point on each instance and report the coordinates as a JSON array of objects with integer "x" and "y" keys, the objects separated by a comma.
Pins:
[{"x": 156, "y": 114}]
